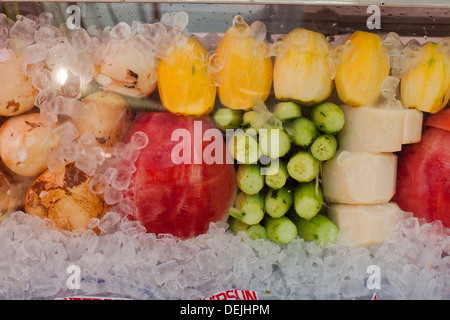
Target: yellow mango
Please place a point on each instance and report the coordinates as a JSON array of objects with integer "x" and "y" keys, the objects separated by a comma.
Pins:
[
  {"x": 183, "y": 83},
  {"x": 305, "y": 73},
  {"x": 359, "y": 77},
  {"x": 427, "y": 87},
  {"x": 246, "y": 79}
]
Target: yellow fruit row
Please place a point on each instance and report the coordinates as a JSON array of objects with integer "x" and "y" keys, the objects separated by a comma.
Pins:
[{"x": 305, "y": 68}]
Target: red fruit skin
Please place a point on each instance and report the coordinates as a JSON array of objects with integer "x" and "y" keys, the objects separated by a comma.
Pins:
[
  {"x": 423, "y": 177},
  {"x": 439, "y": 120},
  {"x": 178, "y": 199}
]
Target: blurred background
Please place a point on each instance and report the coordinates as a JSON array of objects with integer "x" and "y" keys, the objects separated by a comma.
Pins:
[{"x": 407, "y": 18}]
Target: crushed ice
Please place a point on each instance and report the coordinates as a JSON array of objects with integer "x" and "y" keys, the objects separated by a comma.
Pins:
[{"x": 123, "y": 260}]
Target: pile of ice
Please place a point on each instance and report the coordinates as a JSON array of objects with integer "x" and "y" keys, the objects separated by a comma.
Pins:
[{"x": 40, "y": 262}]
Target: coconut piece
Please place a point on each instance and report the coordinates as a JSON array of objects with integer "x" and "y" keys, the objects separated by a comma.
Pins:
[
  {"x": 65, "y": 197},
  {"x": 359, "y": 177},
  {"x": 365, "y": 225}
]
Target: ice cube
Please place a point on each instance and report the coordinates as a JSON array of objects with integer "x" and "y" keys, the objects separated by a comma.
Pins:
[
  {"x": 112, "y": 195},
  {"x": 260, "y": 50},
  {"x": 45, "y": 19},
  {"x": 55, "y": 161},
  {"x": 85, "y": 164},
  {"x": 215, "y": 61},
  {"x": 109, "y": 221},
  {"x": 45, "y": 35},
  {"x": 94, "y": 31},
  {"x": 130, "y": 153},
  {"x": 164, "y": 45},
  {"x": 5, "y": 21},
  {"x": 121, "y": 31},
  {"x": 258, "y": 31},
  {"x": 139, "y": 140},
  {"x": 278, "y": 49},
  {"x": 153, "y": 31},
  {"x": 410, "y": 226},
  {"x": 133, "y": 228},
  {"x": 392, "y": 45},
  {"x": 93, "y": 223},
  {"x": 180, "y": 20},
  {"x": 55, "y": 251},
  {"x": 396, "y": 62},
  {"x": 141, "y": 45},
  {"x": 341, "y": 52},
  {"x": 389, "y": 87},
  {"x": 168, "y": 19},
  {"x": 413, "y": 54},
  {"x": 23, "y": 29},
  {"x": 56, "y": 54},
  {"x": 87, "y": 73},
  {"x": 81, "y": 40},
  {"x": 48, "y": 114},
  {"x": 166, "y": 271},
  {"x": 127, "y": 207},
  {"x": 111, "y": 173},
  {"x": 35, "y": 53},
  {"x": 66, "y": 132},
  {"x": 98, "y": 184},
  {"x": 69, "y": 150},
  {"x": 87, "y": 139},
  {"x": 122, "y": 180},
  {"x": 42, "y": 80},
  {"x": 179, "y": 39},
  {"x": 72, "y": 86}
]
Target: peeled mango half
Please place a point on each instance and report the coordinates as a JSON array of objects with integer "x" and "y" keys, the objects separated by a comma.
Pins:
[
  {"x": 183, "y": 81},
  {"x": 306, "y": 72},
  {"x": 246, "y": 79},
  {"x": 360, "y": 76},
  {"x": 427, "y": 87}
]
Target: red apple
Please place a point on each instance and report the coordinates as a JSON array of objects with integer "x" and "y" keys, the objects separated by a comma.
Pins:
[
  {"x": 423, "y": 184},
  {"x": 176, "y": 188}
]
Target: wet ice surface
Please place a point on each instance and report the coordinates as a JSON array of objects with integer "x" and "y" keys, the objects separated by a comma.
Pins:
[{"x": 124, "y": 261}]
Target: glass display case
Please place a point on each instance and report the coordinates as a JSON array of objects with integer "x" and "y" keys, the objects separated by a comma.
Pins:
[{"x": 241, "y": 150}]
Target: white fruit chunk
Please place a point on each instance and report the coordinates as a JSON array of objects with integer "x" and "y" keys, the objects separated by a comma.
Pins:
[
  {"x": 412, "y": 128},
  {"x": 365, "y": 225},
  {"x": 359, "y": 177},
  {"x": 371, "y": 129}
]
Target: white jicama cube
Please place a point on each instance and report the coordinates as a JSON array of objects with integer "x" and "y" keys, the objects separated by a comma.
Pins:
[
  {"x": 359, "y": 177},
  {"x": 365, "y": 225},
  {"x": 372, "y": 129},
  {"x": 412, "y": 128}
]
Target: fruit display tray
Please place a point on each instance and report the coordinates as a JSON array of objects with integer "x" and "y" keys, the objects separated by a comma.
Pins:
[{"x": 121, "y": 261}]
